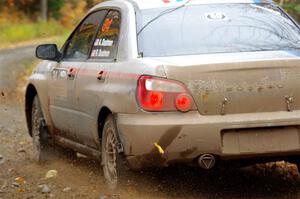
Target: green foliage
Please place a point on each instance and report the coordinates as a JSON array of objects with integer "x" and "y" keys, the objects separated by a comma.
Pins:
[
  {"x": 292, "y": 7},
  {"x": 297, "y": 9},
  {"x": 55, "y": 7},
  {"x": 12, "y": 33}
]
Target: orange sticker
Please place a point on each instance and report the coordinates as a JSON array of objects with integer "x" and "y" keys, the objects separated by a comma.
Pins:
[{"x": 106, "y": 25}]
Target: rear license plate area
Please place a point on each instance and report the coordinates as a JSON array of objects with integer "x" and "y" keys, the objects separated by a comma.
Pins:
[{"x": 260, "y": 140}]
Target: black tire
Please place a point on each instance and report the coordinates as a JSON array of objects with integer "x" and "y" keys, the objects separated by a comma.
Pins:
[
  {"x": 41, "y": 148},
  {"x": 113, "y": 164},
  {"x": 297, "y": 163}
]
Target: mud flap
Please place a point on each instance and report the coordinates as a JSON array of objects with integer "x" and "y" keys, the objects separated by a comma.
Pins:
[
  {"x": 120, "y": 147},
  {"x": 44, "y": 135}
]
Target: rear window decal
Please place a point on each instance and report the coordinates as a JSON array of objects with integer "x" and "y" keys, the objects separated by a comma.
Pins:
[
  {"x": 169, "y": 1},
  {"x": 216, "y": 16},
  {"x": 106, "y": 25},
  {"x": 104, "y": 42},
  {"x": 100, "y": 53}
]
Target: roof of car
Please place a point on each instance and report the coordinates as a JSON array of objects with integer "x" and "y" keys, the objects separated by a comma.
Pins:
[{"x": 148, "y": 4}]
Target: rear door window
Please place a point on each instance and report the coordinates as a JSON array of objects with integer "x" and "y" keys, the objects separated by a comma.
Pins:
[{"x": 106, "y": 43}]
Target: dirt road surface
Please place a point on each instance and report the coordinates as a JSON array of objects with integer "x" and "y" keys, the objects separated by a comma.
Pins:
[{"x": 21, "y": 177}]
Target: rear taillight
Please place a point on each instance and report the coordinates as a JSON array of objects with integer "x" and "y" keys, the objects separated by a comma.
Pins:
[
  {"x": 184, "y": 102},
  {"x": 158, "y": 94}
]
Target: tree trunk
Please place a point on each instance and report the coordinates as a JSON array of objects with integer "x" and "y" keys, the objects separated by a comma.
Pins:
[
  {"x": 44, "y": 10},
  {"x": 281, "y": 2}
]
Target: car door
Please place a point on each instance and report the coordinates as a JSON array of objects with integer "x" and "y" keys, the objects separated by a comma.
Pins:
[
  {"x": 64, "y": 75},
  {"x": 91, "y": 82}
]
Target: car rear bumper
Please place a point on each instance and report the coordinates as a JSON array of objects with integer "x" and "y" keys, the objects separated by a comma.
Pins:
[{"x": 184, "y": 137}]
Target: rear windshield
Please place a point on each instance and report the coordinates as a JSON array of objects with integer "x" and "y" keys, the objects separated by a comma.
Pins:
[{"x": 218, "y": 28}]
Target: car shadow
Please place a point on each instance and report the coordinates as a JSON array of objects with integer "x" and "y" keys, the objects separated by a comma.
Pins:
[
  {"x": 191, "y": 182},
  {"x": 180, "y": 182}
]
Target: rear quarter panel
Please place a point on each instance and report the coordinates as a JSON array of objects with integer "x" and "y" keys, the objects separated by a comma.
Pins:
[{"x": 121, "y": 85}]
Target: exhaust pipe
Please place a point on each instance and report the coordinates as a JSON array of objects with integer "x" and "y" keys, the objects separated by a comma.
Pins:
[{"x": 207, "y": 161}]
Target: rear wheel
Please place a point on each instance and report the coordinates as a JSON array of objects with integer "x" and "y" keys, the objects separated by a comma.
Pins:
[
  {"x": 297, "y": 163},
  {"x": 113, "y": 163},
  {"x": 41, "y": 147}
]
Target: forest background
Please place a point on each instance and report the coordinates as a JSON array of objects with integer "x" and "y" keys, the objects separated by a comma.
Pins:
[{"x": 26, "y": 20}]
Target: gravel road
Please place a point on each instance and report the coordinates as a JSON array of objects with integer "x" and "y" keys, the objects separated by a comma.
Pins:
[
  {"x": 12, "y": 64},
  {"x": 21, "y": 177}
]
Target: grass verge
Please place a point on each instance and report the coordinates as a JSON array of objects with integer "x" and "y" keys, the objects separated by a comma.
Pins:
[{"x": 11, "y": 34}]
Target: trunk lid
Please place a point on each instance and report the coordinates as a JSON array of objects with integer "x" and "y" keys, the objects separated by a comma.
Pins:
[{"x": 239, "y": 82}]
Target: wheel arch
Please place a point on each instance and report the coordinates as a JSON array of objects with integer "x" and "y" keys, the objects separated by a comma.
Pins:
[
  {"x": 31, "y": 92},
  {"x": 103, "y": 114}
]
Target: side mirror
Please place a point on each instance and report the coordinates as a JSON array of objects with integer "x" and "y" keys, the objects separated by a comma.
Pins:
[{"x": 48, "y": 52}]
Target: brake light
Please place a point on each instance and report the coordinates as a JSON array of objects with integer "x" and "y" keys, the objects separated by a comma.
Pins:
[
  {"x": 158, "y": 94},
  {"x": 183, "y": 102}
]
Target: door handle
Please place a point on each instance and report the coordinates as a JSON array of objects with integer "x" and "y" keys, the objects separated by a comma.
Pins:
[
  {"x": 53, "y": 73},
  {"x": 71, "y": 73},
  {"x": 101, "y": 76}
]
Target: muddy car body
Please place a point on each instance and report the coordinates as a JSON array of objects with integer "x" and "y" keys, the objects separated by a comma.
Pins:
[{"x": 178, "y": 82}]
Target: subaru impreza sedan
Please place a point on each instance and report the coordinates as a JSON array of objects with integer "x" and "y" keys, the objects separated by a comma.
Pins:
[{"x": 152, "y": 83}]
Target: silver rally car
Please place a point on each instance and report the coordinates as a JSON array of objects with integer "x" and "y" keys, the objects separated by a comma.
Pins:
[{"x": 150, "y": 83}]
